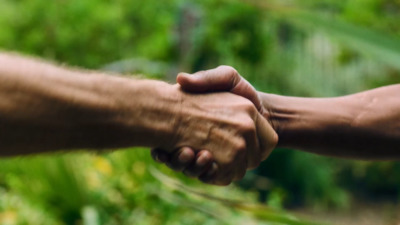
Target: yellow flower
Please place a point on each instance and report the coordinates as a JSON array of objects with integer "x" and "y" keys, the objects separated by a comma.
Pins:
[{"x": 103, "y": 166}]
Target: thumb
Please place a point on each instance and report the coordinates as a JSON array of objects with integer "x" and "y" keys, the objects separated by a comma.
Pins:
[{"x": 223, "y": 78}]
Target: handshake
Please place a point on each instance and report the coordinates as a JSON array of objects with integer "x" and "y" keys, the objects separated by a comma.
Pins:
[
  {"x": 224, "y": 129},
  {"x": 212, "y": 125}
]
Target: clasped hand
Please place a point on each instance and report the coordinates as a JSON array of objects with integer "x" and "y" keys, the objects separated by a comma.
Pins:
[{"x": 220, "y": 135}]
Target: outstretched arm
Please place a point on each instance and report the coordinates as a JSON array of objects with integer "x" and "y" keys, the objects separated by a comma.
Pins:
[
  {"x": 365, "y": 125},
  {"x": 46, "y": 108}
]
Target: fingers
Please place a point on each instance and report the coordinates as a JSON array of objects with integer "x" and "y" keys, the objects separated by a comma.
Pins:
[
  {"x": 259, "y": 144},
  {"x": 201, "y": 165},
  {"x": 185, "y": 159},
  {"x": 267, "y": 136},
  {"x": 223, "y": 78},
  {"x": 178, "y": 160},
  {"x": 181, "y": 159},
  {"x": 232, "y": 163}
]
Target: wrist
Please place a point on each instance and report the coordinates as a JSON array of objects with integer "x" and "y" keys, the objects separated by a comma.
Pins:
[
  {"x": 270, "y": 104},
  {"x": 149, "y": 114},
  {"x": 303, "y": 123}
]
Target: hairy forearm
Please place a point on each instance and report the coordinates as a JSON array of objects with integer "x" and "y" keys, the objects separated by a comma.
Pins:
[
  {"x": 364, "y": 125},
  {"x": 45, "y": 108}
]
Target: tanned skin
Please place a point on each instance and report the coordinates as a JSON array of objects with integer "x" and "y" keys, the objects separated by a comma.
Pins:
[
  {"x": 46, "y": 108},
  {"x": 365, "y": 125}
]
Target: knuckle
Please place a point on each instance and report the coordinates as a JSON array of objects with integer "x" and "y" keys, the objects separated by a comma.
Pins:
[
  {"x": 229, "y": 69},
  {"x": 250, "y": 108},
  {"x": 248, "y": 126},
  {"x": 235, "y": 152},
  {"x": 240, "y": 147},
  {"x": 231, "y": 73}
]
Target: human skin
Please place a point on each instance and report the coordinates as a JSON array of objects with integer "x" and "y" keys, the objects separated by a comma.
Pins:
[
  {"x": 364, "y": 125},
  {"x": 46, "y": 108}
]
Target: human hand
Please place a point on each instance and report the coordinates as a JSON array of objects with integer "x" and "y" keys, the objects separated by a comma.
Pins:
[
  {"x": 230, "y": 128},
  {"x": 224, "y": 78}
]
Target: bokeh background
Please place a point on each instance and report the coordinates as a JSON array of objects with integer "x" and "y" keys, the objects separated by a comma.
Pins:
[{"x": 303, "y": 48}]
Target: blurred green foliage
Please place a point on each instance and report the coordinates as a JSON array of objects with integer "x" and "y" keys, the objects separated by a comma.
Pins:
[{"x": 305, "y": 48}]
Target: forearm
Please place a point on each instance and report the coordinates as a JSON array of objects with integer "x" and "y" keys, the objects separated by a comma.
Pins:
[
  {"x": 44, "y": 108},
  {"x": 364, "y": 125}
]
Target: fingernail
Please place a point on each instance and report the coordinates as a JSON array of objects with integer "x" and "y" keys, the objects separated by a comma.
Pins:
[
  {"x": 202, "y": 160},
  {"x": 185, "y": 156}
]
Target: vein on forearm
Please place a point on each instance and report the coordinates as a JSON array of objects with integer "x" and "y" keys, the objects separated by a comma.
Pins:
[{"x": 363, "y": 125}]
